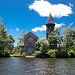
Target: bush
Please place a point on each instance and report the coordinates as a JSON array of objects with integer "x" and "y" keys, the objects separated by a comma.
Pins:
[
  {"x": 62, "y": 54},
  {"x": 37, "y": 54},
  {"x": 5, "y": 53},
  {"x": 40, "y": 54},
  {"x": 52, "y": 53},
  {"x": 17, "y": 52},
  {"x": 71, "y": 53},
  {"x": 23, "y": 54},
  {"x": 42, "y": 46}
]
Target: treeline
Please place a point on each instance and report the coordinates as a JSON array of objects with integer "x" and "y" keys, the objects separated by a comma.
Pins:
[
  {"x": 59, "y": 44},
  {"x": 7, "y": 48},
  {"x": 6, "y": 41}
]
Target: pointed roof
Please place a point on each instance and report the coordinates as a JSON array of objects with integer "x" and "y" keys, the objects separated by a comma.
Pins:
[
  {"x": 30, "y": 34},
  {"x": 21, "y": 44},
  {"x": 50, "y": 20}
]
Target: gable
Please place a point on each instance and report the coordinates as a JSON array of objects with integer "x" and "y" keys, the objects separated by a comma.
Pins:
[{"x": 30, "y": 36}]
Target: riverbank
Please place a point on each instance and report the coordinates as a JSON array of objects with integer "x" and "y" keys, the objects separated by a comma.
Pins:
[{"x": 29, "y": 56}]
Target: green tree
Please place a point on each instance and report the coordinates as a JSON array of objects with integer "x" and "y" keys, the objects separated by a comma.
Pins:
[
  {"x": 41, "y": 42},
  {"x": 6, "y": 40},
  {"x": 68, "y": 38},
  {"x": 9, "y": 42},
  {"x": 59, "y": 39},
  {"x": 53, "y": 38},
  {"x": 42, "y": 46},
  {"x": 22, "y": 36}
]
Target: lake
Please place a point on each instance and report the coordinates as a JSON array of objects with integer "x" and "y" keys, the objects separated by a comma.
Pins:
[{"x": 37, "y": 66}]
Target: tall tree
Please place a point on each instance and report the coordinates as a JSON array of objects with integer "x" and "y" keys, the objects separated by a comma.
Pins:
[
  {"x": 53, "y": 39},
  {"x": 68, "y": 38},
  {"x": 21, "y": 37},
  {"x": 6, "y": 40}
]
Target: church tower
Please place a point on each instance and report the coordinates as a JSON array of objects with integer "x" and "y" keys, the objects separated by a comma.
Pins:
[{"x": 49, "y": 25}]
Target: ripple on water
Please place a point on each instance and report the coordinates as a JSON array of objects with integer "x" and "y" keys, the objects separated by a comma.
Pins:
[{"x": 36, "y": 66}]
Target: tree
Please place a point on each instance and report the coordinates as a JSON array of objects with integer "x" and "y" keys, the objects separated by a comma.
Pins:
[
  {"x": 53, "y": 39},
  {"x": 6, "y": 40},
  {"x": 59, "y": 39},
  {"x": 42, "y": 47},
  {"x": 9, "y": 42},
  {"x": 22, "y": 36},
  {"x": 69, "y": 38},
  {"x": 40, "y": 43}
]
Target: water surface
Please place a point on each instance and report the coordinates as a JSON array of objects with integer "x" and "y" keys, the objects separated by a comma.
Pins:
[{"x": 37, "y": 66}]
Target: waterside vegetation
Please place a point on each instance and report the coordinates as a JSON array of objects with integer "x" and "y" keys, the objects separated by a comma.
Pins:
[
  {"x": 60, "y": 44},
  {"x": 7, "y": 48}
]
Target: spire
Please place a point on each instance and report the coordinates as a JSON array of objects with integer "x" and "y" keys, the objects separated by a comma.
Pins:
[{"x": 50, "y": 20}]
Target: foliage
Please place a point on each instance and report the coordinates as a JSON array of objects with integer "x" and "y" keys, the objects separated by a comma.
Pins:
[
  {"x": 42, "y": 47},
  {"x": 21, "y": 37},
  {"x": 61, "y": 54},
  {"x": 69, "y": 38},
  {"x": 23, "y": 54},
  {"x": 65, "y": 44},
  {"x": 5, "y": 53},
  {"x": 17, "y": 52},
  {"x": 52, "y": 53},
  {"x": 41, "y": 42},
  {"x": 71, "y": 53},
  {"x": 6, "y": 40},
  {"x": 53, "y": 39},
  {"x": 38, "y": 54}
]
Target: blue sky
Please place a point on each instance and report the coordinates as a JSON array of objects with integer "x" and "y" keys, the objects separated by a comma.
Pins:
[{"x": 31, "y": 15}]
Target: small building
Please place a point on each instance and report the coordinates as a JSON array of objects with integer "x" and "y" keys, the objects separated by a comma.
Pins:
[{"x": 21, "y": 45}]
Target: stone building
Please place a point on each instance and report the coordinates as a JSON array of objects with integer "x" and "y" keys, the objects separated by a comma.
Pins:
[{"x": 30, "y": 39}]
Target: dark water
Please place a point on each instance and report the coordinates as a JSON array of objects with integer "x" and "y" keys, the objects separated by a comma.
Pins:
[{"x": 33, "y": 66}]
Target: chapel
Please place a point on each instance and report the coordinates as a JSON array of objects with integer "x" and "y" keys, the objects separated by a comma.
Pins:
[{"x": 30, "y": 39}]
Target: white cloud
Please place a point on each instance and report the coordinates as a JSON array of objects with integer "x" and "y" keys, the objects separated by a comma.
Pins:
[
  {"x": 43, "y": 7},
  {"x": 43, "y": 28},
  {"x": 59, "y": 25},
  {"x": 17, "y": 29}
]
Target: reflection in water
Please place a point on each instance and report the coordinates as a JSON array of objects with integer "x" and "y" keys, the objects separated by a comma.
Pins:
[{"x": 39, "y": 66}]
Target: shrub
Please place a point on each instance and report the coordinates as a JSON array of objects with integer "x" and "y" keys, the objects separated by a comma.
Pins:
[
  {"x": 52, "y": 53},
  {"x": 71, "y": 53},
  {"x": 5, "y": 53},
  {"x": 42, "y": 46},
  {"x": 62, "y": 54},
  {"x": 40, "y": 54},
  {"x": 23, "y": 54},
  {"x": 37, "y": 54},
  {"x": 17, "y": 52}
]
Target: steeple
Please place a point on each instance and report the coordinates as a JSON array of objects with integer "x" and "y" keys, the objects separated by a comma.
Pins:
[
  {"x": 49, "y": 25},
  {"x": 50, "y": 20}
]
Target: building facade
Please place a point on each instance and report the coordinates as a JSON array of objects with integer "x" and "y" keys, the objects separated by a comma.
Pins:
[{"x": 29, "y": 43}]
